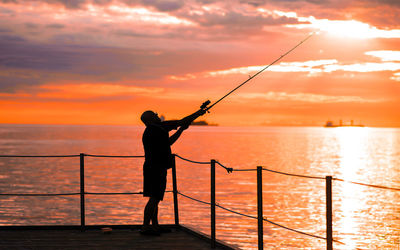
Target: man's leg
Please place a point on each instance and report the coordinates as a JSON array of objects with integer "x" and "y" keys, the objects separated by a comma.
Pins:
[
  {"x": 156, "y": 226},
  {"x": 154, "y": 218},
  {"x": 149, "y": 211}
]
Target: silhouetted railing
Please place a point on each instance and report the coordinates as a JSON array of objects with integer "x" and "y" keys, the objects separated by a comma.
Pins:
[
  {"x": 260, "y": 217},
  {"x": 82, "y": 192}
]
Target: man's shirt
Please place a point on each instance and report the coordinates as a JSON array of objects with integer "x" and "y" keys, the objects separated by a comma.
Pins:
[{"x": 157, "y": 148}]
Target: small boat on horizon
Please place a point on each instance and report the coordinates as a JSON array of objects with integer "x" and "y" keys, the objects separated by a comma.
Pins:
[
  {"x": 203, "y": 123},
  {"x": 329, "y": 124}
]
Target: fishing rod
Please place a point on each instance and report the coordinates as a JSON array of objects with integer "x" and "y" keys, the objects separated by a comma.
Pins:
[{"x": 206, "y": 103}]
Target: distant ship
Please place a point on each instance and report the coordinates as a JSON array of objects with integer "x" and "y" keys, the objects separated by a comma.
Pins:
[
  {"x": 203, "y": 123},
  {"x": 329, "y": 124}
]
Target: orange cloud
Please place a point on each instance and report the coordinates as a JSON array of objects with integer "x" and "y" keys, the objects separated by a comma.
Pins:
[
  {"x": 140, "y": 14},
  {"x": 308, "y": 66},
  {"x": 318, "y": 66},
  {"x": 385, "y": 55},
  {"x": 182, "y": 78},
  {"x": 306, "y": 97},
  {"x": 396, "y": 77}
]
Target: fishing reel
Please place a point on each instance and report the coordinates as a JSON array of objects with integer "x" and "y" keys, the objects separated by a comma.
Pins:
[{"x": 204, "y": 105}]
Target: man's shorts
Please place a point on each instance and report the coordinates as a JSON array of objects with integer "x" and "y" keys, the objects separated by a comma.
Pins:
[{"x": 154, "y": 182}]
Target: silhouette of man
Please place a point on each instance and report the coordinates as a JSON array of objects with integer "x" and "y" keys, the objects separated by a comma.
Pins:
[{"x": 158, "y": 159}]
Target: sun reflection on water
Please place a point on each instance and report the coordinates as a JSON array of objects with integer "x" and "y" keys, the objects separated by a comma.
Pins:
[
  {"x": 353, "y": 157},
  {"x": 353, "y": 151}
]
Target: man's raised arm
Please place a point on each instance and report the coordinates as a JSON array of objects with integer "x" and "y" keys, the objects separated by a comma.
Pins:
[
  {"x": 190, "y": 118},
  {"x": 184, "y": 124}
]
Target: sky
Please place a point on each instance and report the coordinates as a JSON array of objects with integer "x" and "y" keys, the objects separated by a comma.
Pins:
[{"x": 107, "y": 61}]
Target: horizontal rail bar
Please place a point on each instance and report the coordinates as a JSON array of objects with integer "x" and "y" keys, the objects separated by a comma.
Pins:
[
  {"x": 127, "y": 193},
  {"x": 244, "y": 169},
  {"x": 39, "y": 156},
  {"x": 61, "y": 194},
  {"x": 288, "y": 174},
  {"x": 74, "y": 227},
  {"x": 295, "y": 175},
  {"x": 194, "y": 199},
  {"x": 116, "y": 156},
  {"x": 368, "y": 185},
  {"x": 197, "y": 162},
  {"x": 89, "y": 155},
  {"x": 226, "y": 168},
  {"x": 235, "y": 212},
  {"x": 294, "y": 230},
  {"x": 27, "y": 194}
]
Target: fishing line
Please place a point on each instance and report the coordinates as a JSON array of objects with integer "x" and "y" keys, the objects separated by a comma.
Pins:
[{"x": 205, "y": 104}]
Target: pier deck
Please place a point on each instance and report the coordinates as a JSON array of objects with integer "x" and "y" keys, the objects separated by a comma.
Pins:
[{"x": 64, "y": 237}]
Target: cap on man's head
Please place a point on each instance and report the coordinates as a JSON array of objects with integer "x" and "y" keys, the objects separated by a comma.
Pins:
[{"x": 148, "y": 117}]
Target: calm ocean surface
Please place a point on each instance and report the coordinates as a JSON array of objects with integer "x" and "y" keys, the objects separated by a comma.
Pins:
[{"x": 363, "y": 217}]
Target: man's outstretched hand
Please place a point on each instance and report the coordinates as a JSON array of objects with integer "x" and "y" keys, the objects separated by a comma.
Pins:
[
  {"x": 185, "y": 122},
  {"x": 200, "y": 112},
  {"x": 185, "y": 126}
]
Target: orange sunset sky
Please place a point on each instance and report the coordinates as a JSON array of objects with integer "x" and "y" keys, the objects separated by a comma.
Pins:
[{"x": 107, "y": 61}]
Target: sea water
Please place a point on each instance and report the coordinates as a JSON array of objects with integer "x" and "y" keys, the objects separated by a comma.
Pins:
[{"x": 363, "y": 217}]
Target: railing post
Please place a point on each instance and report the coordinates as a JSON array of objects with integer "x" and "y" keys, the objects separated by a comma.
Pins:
[
  {"x": 260, "y": 217},
  {"x": 175, "y": 191},
  {"x": 82, "y": 192},
  {"x": 329, "y": 237},
  {"x": 213, "y": 237}
]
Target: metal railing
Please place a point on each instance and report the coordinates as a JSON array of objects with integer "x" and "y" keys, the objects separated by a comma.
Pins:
[
  {"x": 260, "y": 217},
  {"x": 82, "y": 191},
  {"x": 212, "y": 163}
]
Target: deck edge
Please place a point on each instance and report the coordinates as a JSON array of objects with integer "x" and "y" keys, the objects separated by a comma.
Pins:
[{"x": 203, "y": 236}]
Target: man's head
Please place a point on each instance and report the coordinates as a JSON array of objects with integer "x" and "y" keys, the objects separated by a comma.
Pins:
[{"x": 149, "y": 117}]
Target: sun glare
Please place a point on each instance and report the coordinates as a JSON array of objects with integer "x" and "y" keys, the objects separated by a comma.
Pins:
[
  {"x": 352, "y": 157},
  {"x": 352, "y": 28},
  {"x": 339, "y": 28}
]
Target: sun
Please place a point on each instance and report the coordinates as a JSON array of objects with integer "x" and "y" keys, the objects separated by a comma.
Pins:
[
  {"x": 351, "y": 29},
  {"x": 347, "y": 28},
  {"x": 340, "y": 28}
]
